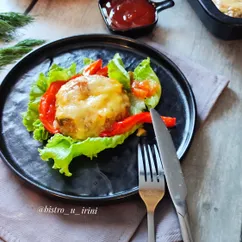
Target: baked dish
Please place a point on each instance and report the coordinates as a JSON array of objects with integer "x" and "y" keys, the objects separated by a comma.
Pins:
[{"x": 232, "y": 8}]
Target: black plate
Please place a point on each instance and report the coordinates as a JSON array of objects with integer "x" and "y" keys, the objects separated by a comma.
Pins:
[
  {"x": 113, "y": 175},
  {"x": 219, "y": 24}
]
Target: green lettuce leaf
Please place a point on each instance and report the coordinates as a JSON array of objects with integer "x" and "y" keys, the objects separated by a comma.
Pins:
[
  {"x": 116, "y": 70},
  {"x": 63, "y": 149},
  {"x": 58, "y": 73},
  {"x": 145, "y": 72},
  {"x": 40, "y": 133},
  {"x": 87, "y": 61},
  {"x": 37, "y": 90},
  {"x": 137, "y": 105}
]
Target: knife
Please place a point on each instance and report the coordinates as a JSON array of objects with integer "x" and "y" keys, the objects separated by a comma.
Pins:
[{"x": 173, "y": 173}]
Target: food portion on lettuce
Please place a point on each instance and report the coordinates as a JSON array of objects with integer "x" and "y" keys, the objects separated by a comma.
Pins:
[
  {"x": 88, "y": 105},
  {"x": 87, "y": 112}
]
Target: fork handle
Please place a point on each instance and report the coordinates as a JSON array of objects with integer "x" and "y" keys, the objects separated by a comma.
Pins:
[
  {"x": 185, "y": 228},
  {"x": 151, "y": 227}
]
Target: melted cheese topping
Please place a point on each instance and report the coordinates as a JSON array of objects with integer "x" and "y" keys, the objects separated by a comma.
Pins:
[
  {"x": 232, "y": 8},
  {"x": 88, "y": 105}
]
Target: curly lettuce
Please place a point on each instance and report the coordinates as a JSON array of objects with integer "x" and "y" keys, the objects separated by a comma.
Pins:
[
  {"x": 40, "y": 133},
  {"x": 63, "y": 149},
  {"x": 145, "y": 72},
  {"x": 36, "y": 92},
  {"x": 116, "y": 70},
  {"x": 137, "y": 105},
  {"x": 87, "y": 61}
]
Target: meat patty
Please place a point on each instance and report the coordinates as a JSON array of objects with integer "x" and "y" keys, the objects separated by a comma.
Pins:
[{"x": 87, "y": 105}]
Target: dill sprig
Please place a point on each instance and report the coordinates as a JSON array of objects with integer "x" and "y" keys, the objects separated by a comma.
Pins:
[
  {"x": 10, "y": 21},
  {"x": 9, "y": 55},
  {"x": 30, "y": 43}
]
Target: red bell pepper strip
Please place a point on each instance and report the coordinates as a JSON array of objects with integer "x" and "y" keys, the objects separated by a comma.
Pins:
[
  {"x": 103, "y": 71},
  {"x": 75, "y": 76},
  {"x": 128, "y": 123},
  {"x": 47, "y": 106},
  {"x": 93, "y": 68}
]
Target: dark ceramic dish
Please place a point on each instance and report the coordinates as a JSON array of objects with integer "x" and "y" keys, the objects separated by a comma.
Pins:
[
  {"x": 219, "y": 24},
  {"x": 138, "y": 31},
  {"x": 113, "y": 174}
]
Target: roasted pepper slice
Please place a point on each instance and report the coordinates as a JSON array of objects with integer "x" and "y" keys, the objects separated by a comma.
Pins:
[{"x": 128, "y": 123}]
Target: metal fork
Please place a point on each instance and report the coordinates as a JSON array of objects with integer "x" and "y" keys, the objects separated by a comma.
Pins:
[{"x": 151, "y": 182}]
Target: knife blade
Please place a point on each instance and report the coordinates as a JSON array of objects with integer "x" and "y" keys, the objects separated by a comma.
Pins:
[{"x": 173, "y": 173}]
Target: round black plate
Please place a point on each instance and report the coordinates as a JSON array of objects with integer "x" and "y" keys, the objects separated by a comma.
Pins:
[{"x": 113, "y": 174}]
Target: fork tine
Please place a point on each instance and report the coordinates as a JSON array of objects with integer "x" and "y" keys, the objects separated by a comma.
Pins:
[
  {"x": 141, "y": 165},
  {"x": 152, "y": 164},
  {"x": 147, "y": 165},
  {"x": 158, "y": 162}
]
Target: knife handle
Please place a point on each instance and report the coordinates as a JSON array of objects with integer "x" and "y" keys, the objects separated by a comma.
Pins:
[{"x": 185, "y": 228}]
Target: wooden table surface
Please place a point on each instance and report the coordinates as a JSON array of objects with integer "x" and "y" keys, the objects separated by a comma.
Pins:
[{"x": 213, "y": 165}]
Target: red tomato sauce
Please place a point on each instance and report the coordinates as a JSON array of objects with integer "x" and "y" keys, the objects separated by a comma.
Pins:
[{"x": 126, "y": 14}]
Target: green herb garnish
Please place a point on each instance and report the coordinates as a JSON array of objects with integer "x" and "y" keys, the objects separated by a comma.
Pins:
[
  {"x": 10, "y": 21},
  {"x": 10, "y": 54}
]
